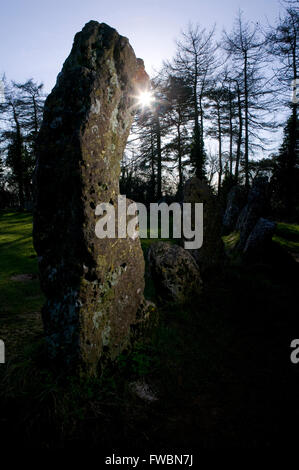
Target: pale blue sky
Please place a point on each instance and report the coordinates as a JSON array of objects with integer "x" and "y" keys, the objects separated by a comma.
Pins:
[{"x": 36, "y": 36}]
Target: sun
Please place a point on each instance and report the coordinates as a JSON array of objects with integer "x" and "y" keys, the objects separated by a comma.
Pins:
[{"x": 145, "y": 99}]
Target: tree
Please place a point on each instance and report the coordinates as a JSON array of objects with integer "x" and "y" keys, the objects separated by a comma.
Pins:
[
  {"x": 194, "y": 62},
  {"x": 146, "y": 144},
  {"x": 240, "y": 129},
  {"x": 12, "y": 138},
  {"x": 286, "y": 171},
  {"x": 245, "y": 47},
  {"x": 178, "y": 95},
  {"x": 221, "y": 115},
  {"x": 138, "y": 166},
  {"x": 20, "y": 116},
  {"x": 283, "y": 45},
  {"x": 216, "y": 95},
  {"x": 212, "y": 167},
  {"x": 282, "y": 42},
  {"x": 32, "y": 102}
]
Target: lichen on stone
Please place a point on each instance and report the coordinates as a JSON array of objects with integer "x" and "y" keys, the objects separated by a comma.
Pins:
[{"x": 93, "y": 286}]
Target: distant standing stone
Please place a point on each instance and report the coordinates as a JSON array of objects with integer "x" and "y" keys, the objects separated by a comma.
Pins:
[
  {"x": 260, "y": 237},
  {"x": 174, "y": 272},
  {"x": 235, "y": 203},
  {"x": 212, "y": 251},
  {"x": 255, "y": 208}
]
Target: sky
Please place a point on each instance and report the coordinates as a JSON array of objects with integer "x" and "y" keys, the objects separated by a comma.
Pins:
[{"x": 36, "y": 35}]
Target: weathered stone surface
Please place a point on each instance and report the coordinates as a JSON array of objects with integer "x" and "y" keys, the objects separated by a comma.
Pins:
[
  {"x": 255, "y": 208},
  {"x": 174, "y": 272},
  {"x": 93, "y": 286},
  {"x": 147, "y": 319},
  {"x": 260, "y": 237},
  {"x": 212, "y": 251},
  {"x": 235, "y": 203}
]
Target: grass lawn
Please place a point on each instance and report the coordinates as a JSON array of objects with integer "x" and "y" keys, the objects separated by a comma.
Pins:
[
  {"x": 17, "y": 257},
  {"x": 21, "y": 298}
]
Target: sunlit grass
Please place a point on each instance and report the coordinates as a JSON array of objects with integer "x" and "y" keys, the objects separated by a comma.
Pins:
[
  {"x": 287, "y": 235},
  {"x": 231, "y": 240},
  {"x": 17, "y": 256}
]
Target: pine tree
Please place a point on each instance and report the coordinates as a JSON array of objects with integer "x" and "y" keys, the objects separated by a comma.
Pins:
[
  {"x": 246, "y": 49},
  {"x": 195, "y": 62},
  {"x": 21, "y": 114},
  {"x": 286, "y": 173}
]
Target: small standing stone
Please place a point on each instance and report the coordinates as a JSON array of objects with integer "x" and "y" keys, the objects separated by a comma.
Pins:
[{"x": 174, "y": 271}]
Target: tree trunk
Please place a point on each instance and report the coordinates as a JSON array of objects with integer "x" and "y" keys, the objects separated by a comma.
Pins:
[
  {"x": 153, "y": 175},
  {"x": 198, "y": 163},
  {"x": 240, "y": 131},
  {"x": 230, "y": 135},
  {"x": 19, "y": 162},
  {"x": 180, "y": 159},
  {"x": 219, "y": 147},
  {"x": 159, "y": 156},
  {"x": 246, "y": 153}
]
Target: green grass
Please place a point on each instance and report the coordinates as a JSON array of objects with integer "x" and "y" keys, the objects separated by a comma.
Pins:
[
  {"x": 231, "y": 240},
  {"x": 154, "y": 236},
  {"x": 287, "y": 235},
  {"x": 17, "y": 256}
]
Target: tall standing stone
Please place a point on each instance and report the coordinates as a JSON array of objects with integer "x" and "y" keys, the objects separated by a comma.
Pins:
[{"x": 93, "y": 286}]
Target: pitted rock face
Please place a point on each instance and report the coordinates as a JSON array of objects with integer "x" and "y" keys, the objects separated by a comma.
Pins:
[
  {"x": 174, "y": 271},
  {"x": 93, "y": 287}
]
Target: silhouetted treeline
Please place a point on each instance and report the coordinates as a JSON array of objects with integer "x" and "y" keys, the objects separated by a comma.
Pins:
[
  {"x": 215, "y": 106},
  {"x": 216, "y": 110}
]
